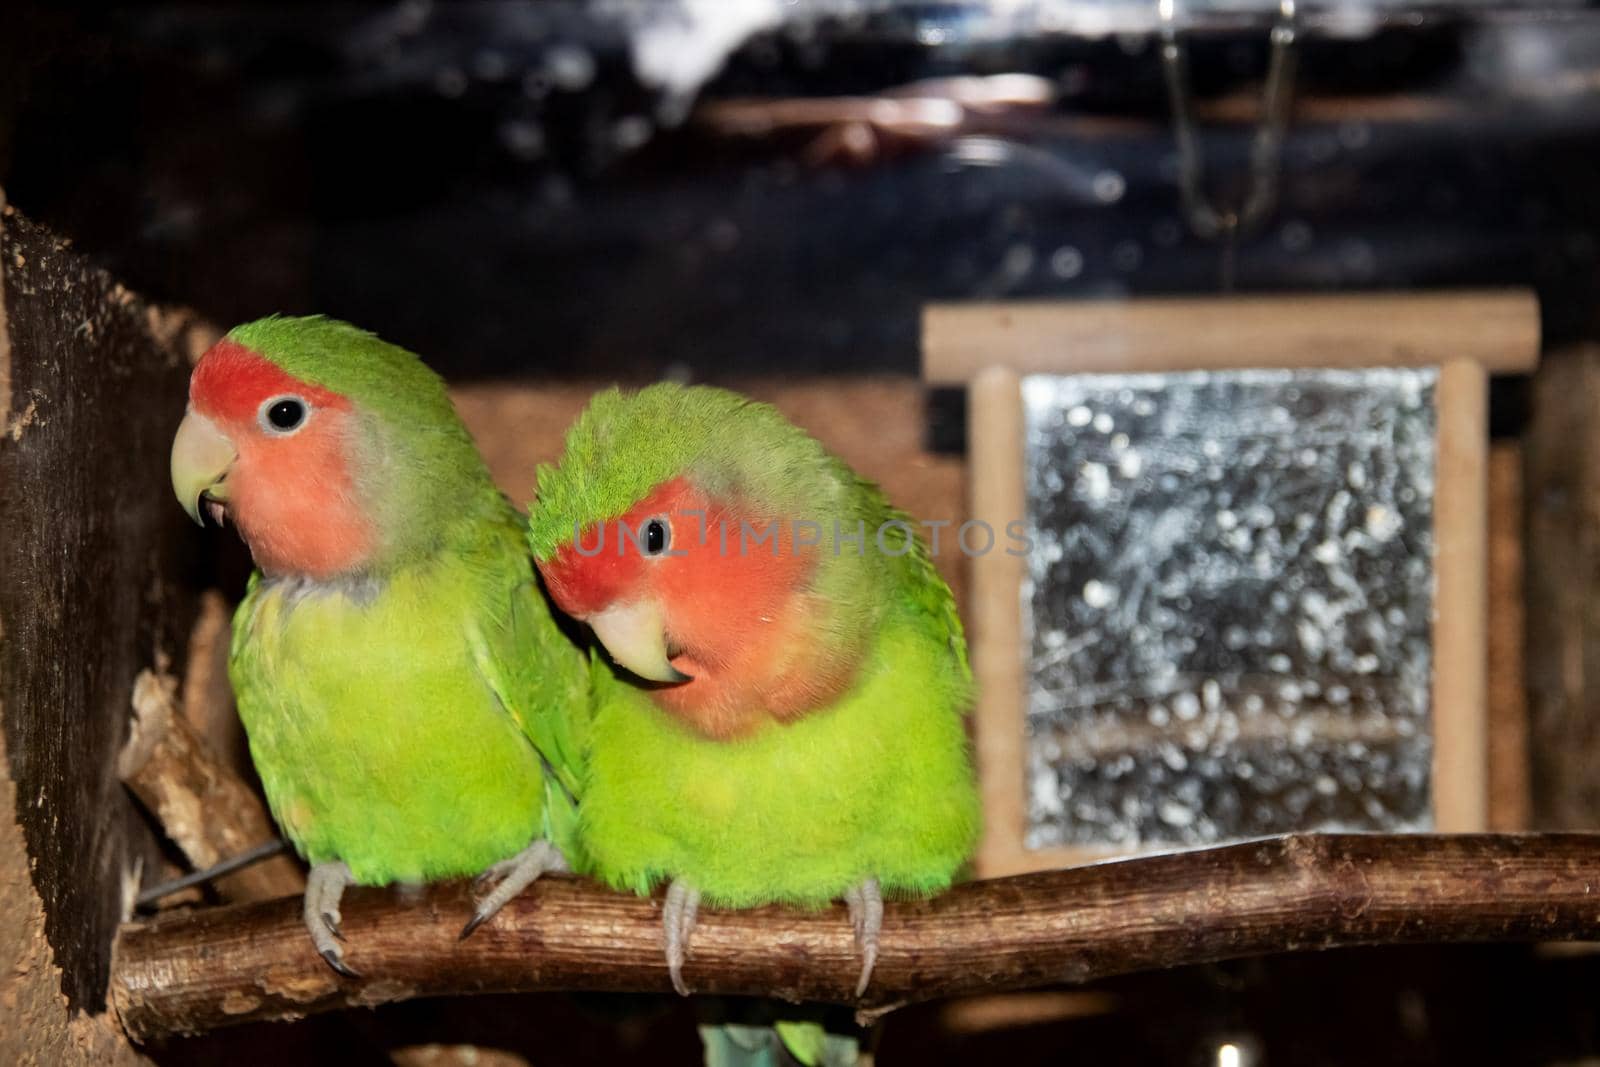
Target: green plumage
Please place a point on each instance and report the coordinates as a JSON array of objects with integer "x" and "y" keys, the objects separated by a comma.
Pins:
[
  {"x": 397, "y": 717},
  {"x": 626, "y": 444},
  {"x": 877, "y": 785}
]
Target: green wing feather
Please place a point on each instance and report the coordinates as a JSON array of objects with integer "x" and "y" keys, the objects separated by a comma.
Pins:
[
  {"x": 542, "y": 682},
  {"x": 917, "y": 580}
]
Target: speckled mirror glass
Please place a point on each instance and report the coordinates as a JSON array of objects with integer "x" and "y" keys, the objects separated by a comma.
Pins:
[{"x": 1228, "y": 599}]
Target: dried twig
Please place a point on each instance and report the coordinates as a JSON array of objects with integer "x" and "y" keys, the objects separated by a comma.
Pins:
[{"x": 206, "y": 809}]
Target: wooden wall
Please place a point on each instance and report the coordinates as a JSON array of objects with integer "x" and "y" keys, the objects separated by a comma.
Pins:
[{"x": 97, "y": 569}]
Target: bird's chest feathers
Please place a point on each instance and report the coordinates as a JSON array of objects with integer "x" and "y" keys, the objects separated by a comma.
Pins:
[
  {"x": 350, "y": 675},
  {"x": 295, "y": 625},
  {"x": 712, "y": 798}
]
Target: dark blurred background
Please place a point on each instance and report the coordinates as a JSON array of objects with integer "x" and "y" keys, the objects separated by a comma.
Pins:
[
  {"x": 518, "y": 188},
  {"x": 715, "y": 189}
]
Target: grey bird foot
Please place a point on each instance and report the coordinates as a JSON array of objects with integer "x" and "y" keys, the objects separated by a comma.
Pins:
[
  {"x": 319, "y": 909},
  {"x": 865, "y": 902},
  {"x": 513, "y": 876},
  {"x": 678, "y": 915}
]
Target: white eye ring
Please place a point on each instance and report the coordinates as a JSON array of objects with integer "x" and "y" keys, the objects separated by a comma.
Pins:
[{"x": 284, "y": 415}]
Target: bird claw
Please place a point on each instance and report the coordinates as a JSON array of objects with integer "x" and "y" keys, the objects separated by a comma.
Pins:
[
  {"x": 325, "y": 885},
  {"x": 514, "y": 874},
  {"x": 678, "y": 914},
  {"x": 335, "y": 960},
  {"x": 865, "y": 902}
]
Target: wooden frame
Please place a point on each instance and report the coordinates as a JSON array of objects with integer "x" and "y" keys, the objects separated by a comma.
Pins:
[{"x": 1467, "y": 335}]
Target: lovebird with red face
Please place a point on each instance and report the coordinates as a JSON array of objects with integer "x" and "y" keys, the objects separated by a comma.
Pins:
[
  {"x": 793, "y": 731},
  {"x": 412, "y": 707}
]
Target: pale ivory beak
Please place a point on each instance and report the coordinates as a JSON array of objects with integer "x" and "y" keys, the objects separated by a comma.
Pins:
[
  {"x": 636, "y": 638},
  {"x": 201, "y": 456}
]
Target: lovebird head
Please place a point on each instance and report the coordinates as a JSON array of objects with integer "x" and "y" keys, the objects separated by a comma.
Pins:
[
  {"x": 691, "y": 529},
  {"x": 335, "y": 453}
]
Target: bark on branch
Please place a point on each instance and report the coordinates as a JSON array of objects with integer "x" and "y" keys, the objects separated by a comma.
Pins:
[
  {"x": 206, "y": 809},
  {"x": 189, "y": 972}
]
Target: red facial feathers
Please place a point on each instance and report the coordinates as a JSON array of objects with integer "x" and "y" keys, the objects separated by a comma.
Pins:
[
  {"x": 733, "y": 591},
  {"x": 293, "y": 495}
]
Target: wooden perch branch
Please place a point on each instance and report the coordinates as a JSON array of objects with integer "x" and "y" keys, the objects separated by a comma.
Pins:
[{"x": 182, "y": 973}]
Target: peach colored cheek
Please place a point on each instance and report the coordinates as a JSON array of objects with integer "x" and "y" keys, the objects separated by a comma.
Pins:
[
  {"x": 723, "y": 602},
  {"x": 294, "y": 502}
]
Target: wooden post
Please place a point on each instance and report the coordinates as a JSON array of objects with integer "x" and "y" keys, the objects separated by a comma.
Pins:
[
  {"x": 1460, "y": 600},
  {"x": 1562, "y": 454},
  {"x": 1508, "y": 692},
  {"x": 94, "y": 569},
  {"x": 995, "y": 479}
]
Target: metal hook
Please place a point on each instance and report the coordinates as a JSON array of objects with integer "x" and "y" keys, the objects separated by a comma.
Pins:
[{"x": 1205, "y": 219}]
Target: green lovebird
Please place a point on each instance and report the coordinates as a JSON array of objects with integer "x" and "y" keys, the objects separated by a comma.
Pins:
[
  {"x": 798, "y": 732},
  {"x": 412, "y": 707}
]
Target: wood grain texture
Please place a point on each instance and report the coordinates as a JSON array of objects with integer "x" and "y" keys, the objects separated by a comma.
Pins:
[
  {"x": 97, "y": 569},
  {"x": 998, "y": 496},
  {"x": 1497, "y": 329},
  {"x": 36, "y": 1026},
  {"x": 1562, "y": 545},
  {"x": 204, "y": 808},
  {"x": 187, "y": 972},
  {"x": 1459, "y": 699},
  {"x": 1507, "y": 694}
]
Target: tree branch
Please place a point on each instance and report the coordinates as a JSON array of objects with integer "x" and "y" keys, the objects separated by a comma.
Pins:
[
  {"x": 203, "y": 806},
  {"x": 189, "y": 972}
]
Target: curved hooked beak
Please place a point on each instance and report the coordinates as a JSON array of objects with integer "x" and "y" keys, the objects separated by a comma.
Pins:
[
  {"x": 636, "y": 638},
  {"x": 201, "y": 458}
]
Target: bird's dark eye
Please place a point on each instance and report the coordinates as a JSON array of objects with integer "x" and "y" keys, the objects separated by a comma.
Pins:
[
  {"x": 285, "y": 413},
  {"x": 656, "y": 537}
]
